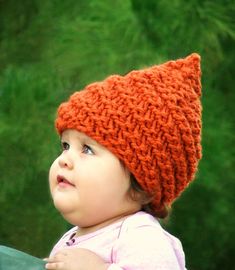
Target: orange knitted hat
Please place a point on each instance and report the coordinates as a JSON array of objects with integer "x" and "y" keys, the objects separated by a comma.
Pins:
[{"x": 150, "y": 119}]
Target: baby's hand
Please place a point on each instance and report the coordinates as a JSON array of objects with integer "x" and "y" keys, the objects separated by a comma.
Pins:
[{"x": 76, "y": 259}]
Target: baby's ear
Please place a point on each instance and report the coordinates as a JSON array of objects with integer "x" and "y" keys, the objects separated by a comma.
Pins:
[
  {"x": 125, "y": 169},
  {"x": 137, "y": 193}
]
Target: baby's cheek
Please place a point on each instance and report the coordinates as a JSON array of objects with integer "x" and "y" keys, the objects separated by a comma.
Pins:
[{"x": 52, "y": 176}]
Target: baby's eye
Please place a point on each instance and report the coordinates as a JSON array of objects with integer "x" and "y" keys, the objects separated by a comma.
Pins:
[
  {"x": 64, "y": 146},
  {"x": 87, "y": 150}
]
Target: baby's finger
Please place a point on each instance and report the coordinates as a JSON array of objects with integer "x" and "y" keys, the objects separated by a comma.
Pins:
[
  {"x": 54, "y": 265},
  {"x": 57, "y": 257},
  {"x": 50, "y": 260}
]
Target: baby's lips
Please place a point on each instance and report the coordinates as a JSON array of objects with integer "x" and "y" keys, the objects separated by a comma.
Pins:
[{"x": 62, "y": 179}]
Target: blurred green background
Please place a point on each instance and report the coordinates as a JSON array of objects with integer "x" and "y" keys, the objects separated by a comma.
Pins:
[{"x": 49, "y": 49}]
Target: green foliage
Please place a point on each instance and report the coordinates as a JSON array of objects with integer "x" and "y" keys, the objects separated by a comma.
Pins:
[
  {"x": 25, "y": 112},
  {"x": 51, "y": 48},
  {"x": 26, "y": 120},
  {"x": 197, "y": 25}
]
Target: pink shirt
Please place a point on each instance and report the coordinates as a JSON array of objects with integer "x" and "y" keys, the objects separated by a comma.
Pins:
[{"x": 135, "y": 243}]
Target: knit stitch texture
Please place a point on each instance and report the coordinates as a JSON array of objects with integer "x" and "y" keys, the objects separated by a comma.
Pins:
[{"x": 150, "y": 119}]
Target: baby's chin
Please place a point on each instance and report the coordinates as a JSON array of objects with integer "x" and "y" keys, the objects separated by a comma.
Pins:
[
  {"x": 63, "y": 205},
  {"x": 69, "y": 214}
]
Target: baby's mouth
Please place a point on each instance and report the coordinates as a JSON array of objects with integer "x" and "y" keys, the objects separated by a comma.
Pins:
[{"x": 62, "y": 181}]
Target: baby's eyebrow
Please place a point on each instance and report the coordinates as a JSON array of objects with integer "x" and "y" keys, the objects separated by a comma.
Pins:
[
  {"x": 90, "y": 141},
  {"x": 95, "y": 143}
]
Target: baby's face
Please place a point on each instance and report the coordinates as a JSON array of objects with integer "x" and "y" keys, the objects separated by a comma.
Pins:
[{"x": 88, "y": 183}]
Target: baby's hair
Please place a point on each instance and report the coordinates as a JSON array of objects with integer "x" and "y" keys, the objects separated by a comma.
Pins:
[{"x": 138, "y": 194}]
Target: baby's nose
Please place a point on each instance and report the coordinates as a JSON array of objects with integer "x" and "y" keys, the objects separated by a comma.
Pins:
[{"x": 65, "y": 161}]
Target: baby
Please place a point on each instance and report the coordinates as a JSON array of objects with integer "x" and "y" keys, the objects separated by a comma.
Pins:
[{"x": 130, "y": 145}]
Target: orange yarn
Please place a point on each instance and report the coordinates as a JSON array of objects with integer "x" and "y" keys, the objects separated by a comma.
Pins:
[{"x": 150, "y": 119}]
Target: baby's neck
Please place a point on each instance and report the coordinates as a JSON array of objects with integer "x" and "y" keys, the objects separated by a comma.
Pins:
[{"x": 90, "y": 229}]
